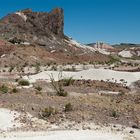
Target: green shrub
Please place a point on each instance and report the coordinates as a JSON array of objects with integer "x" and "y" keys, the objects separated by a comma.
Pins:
[
  {"x": 58, "y": 86},
  {"x": 121, "y": 93},
  {"x": 24, "y": 83},
  {"x": 62, "y": 92},
  {"x": 37, "y": 67},
  {"x": 68, "y": 107},
  {"x": 38, "y": 88},
  {"x": 4, "y": 89},
  {"x": 114, "y": 113},
  {"x": 67, "y": 81},
  {"x": 48, "y": 111},
  {"x": 113, "y": 60},
  {"x": 73, "y": 69},
  {"x": 54, "y": 68},
  {"x": 14, "y": 90},
  {"x": 11, "y": 68},
  {"x": 38, "y": 92},
  {"x": 16, "y": 80}
]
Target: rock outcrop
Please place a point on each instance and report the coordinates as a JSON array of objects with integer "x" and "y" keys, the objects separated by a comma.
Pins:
[
  {"x": 26, "y": 25},
  {"x": 39, "y": 37},
  {"x": 5, "y": 48}
]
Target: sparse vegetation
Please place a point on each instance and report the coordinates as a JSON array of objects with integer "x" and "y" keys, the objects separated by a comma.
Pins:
[
  {"x": 61, "y": 92},
  {"x": 23, "y": 82},
  {"x": 14, "y": 90},
  {"x": 37, "y": 67},
  {"x": 68, "y": 107},
  {"x": 4, "y": 89},
  {"x": 67, "y": 81},
  {"x": 25, "y": 64},
  {"x": 58, "y": 86},
  {"x": 47, "y": 112},
  {"x": 70, "y": 69},
  {"x": 114, "y": 113},
  {"x": 113, "y": 60},
  {"x": 38, "y": 92},
  {"x": 54, "y": 68},
  {"x": 11, "y": 68},
  {"x": 38, "y": 88}
]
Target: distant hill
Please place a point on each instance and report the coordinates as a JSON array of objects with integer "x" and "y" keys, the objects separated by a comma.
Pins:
[{"x": 126, "y": 45}]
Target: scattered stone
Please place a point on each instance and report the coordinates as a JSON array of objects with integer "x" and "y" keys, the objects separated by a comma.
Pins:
[{"x": 131, "y": 132}]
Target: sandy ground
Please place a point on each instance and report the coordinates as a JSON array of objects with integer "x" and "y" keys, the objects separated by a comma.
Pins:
[
  {"x": 65, "y": 135},
  {"x": 7, "y": 120},
  {"x": 93, "y": 74}
]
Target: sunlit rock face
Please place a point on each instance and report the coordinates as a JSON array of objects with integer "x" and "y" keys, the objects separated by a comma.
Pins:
[{"x": 26, "y": 25}]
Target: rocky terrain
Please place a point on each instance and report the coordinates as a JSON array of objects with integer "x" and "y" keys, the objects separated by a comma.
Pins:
[
  {"x": 42, "y": 33},
  {"x": 49, "y": 81}
]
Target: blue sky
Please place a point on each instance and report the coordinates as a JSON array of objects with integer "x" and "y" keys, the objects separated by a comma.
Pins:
[{"x": 111, "y": 21}]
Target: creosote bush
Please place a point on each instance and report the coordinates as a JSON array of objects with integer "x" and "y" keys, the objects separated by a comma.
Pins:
[
  {"x": 38, "y": 92},
  {"x": 61, "y": 92},
  {"x": 24, "y": 82},
  {"x": 14, "y": 90},
  {"x": 114, "y": 113},
  {"x": 48, "y": 111},
  {"x": 38, "y": 88},
  {"x": 68, "y": 107}
]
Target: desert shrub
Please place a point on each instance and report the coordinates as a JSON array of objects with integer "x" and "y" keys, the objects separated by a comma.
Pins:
[
  {"x": 49, "y": 63},
  {"x": 54, "y": 68},
  {"x": 67, "y": 69},
  {"x": 4, "y": 89},
  {"x": 25, "y": 64},
  {"x": 37, "y": 67},
  {"x": 16, "y": 80},
  {"x": 24, "y": 82},
  {"x": 38, "y": 92},
  {"x": 38, "y": 88},
  {"x": 114, "y": 113},
  {"x": 113, "y": 60},
  {"x": 67, "y": 81},
  {"x": 61, "y": 92},
  {"x": 121, "y": 93},
  {"x": 58, "y": 86},
  {"x": 11, "y": 68},
  {"x": 70, "y": 69},
  {"x": 122, "y": 80},
  {"x": 48, "y": 111},
  {"x": 68, "y": 107},
  {"x": 14, "y": 90}
]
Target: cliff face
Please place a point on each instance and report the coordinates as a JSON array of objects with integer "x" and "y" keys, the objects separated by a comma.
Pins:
[
  {"x": 26, "y": 24},
  {"x": 40, "y": 35},
  {"x": 56, "y": 21}
]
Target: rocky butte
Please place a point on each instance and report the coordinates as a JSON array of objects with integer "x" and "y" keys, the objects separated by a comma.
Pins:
[
  {"x": 25, "y": 29},
  {"x": 28, "y": 26}
]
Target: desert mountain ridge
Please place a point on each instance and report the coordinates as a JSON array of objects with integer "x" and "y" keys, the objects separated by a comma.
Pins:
[{"x": 26, "y": 29}]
